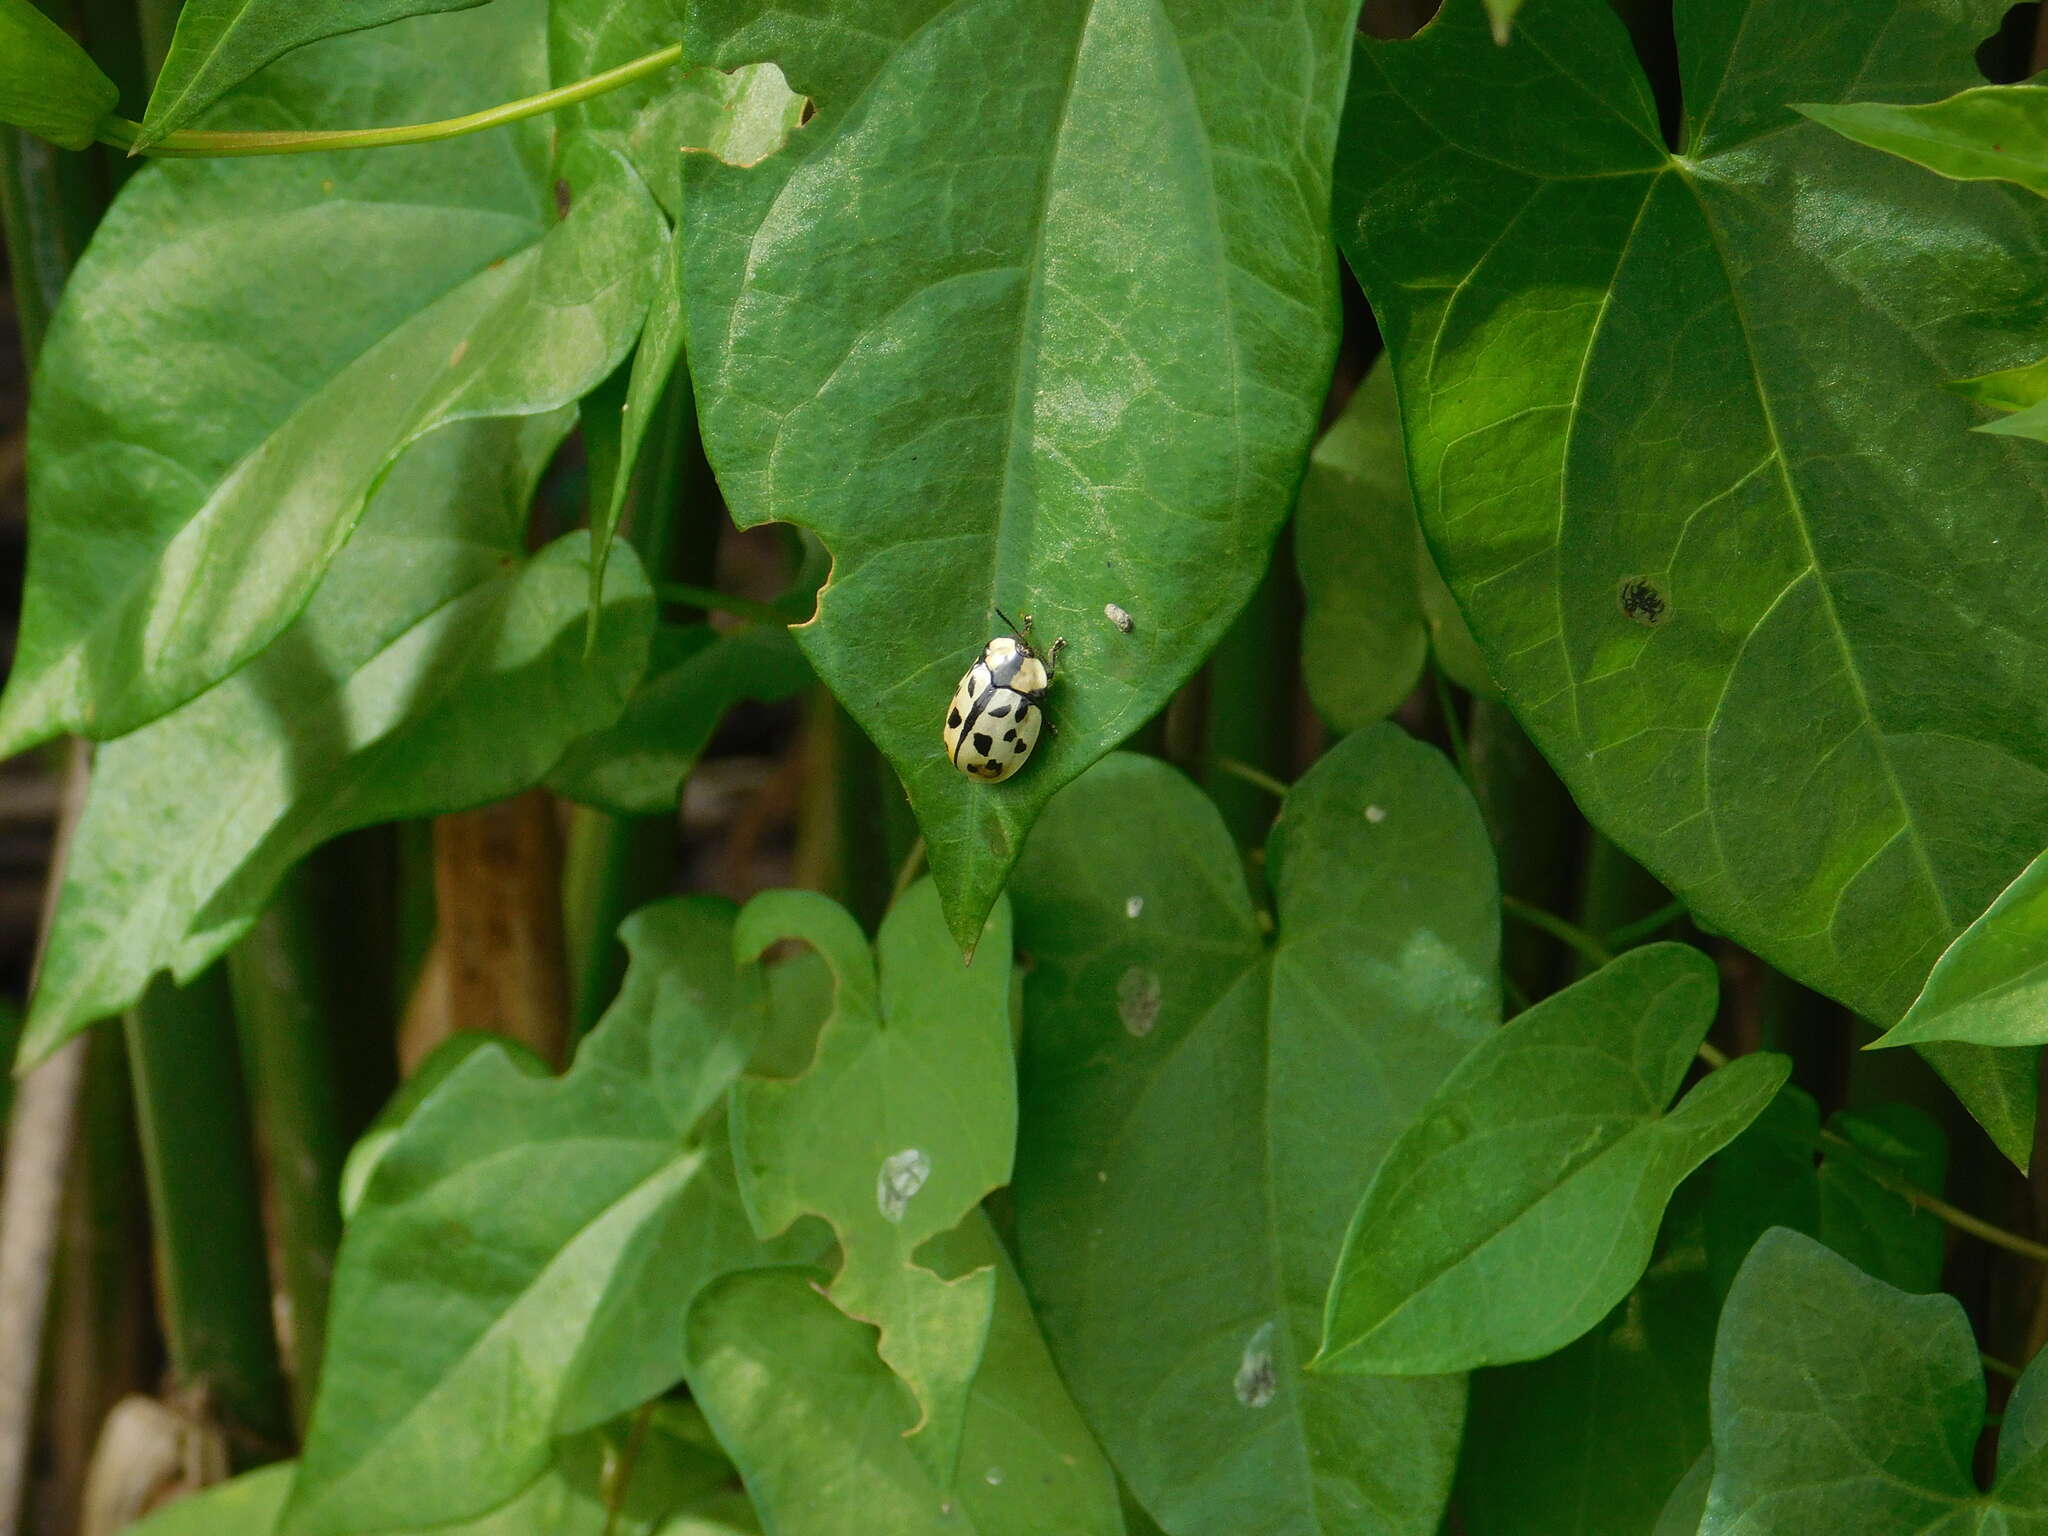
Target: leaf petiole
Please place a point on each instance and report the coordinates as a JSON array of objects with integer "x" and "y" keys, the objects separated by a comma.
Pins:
[{"x": 198, "y": 143}]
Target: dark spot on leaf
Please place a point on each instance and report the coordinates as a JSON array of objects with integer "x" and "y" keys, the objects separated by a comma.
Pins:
[
  {"x": 2006, "y": 57},
  {"x": 563, "y": 198},
  {"x": 1643, "y": 600},
  {"x": 808, "y": 112}
]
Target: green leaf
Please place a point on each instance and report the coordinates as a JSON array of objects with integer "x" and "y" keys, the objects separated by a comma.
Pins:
[
  {"x": 1682, "y": 447},
  {"x": 1764, "y": 1178},
  {"x": 1991, "y": 985},
  {"x": 1593, "y": 1440},
  {"x": 675, "y": 1489},
  {"x": 904, "y": 1120},
  {"x": 1988, "y": 133},
  {"x": 1841, "y": 1404},
  {"x": 636, "y": 767},
  {"x": 437, "y": 667},
  {"x": 590, "y": 1210},
  {"x": 1093, "y": 380},
  {"x": 440, "y": 1063},
  {"x": 1522, "y": 1204},
  {"x": 240, "y": 415},
  {"x": 1863, "y": 1216},
  {"x": 1687, "y": 1506},
  {"x": 48, "y": 84},
  {"x": 221, "y": 43},
  {"x": 1202, "y": 1110},
  {"x": 816, "y": 1422}
]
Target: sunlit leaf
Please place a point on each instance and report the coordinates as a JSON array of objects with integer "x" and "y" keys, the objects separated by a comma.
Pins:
[
  {"x": 1061, "y": 342},
  {"x": 590, "y": 1210},
  {"x": 196, "y": 466},
  {"x": 1522, "y": 1204},
  {"x": 48, "y": 84},
  {"x": 815, "y": 1421},
  {"x": 438, "y": 667},
  {"x": 1987, "y": 133},
  {"x": 1203, "y": 1109},
  {"x": 902, "y": 1122},
  {"x": 1682, "y": 443},
  {"x": 1991, "y": 985}
]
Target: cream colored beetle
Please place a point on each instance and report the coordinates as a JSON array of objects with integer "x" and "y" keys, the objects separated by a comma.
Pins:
[{"x": 998, "y": 709}]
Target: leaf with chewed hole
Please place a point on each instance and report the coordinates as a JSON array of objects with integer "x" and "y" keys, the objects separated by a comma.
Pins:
[
  {"x": 48, "y": 84},
  {"x": 1523, "y": 1202},
  {"x": 438, "y": 667},
  {"x": 590, "y": 1207},
  {"x": 1683, "y": 445},
  {"x": 1203, "y": 1107},
  {"x": 905, "y": 1118},
  {"x": 197, "y": 466},
  {"x": 1062, "y": 341},
  {"x": 814, "y": 1420}
]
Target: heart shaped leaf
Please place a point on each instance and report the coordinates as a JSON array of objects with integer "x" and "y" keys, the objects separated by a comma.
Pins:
[
  {"x": 905, "y": 1118},
  {"x": 1062, "y": 349},
  {"x": 1522, "y": 1204},
  {"x": 1683, "y": 447},
  {"x": 1841, "y": 1404},
  {"x": 1202, "y": 1110}
]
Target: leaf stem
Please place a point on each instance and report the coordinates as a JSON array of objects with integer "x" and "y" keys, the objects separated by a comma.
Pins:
[
  {"x": 1934, "y": 1205},
  {"x": 1454, "y": 727},
  {"x": 629, "y": 1459},
  {"x": 188, "y": 143},
  {"x": 1567, "y": 933},
  {"x": 1628, "y": 934},
  {"x": 1277, "y": 788},
  {"x": 720, "y": 602},
  {"x": 1998, "y": 1367}
]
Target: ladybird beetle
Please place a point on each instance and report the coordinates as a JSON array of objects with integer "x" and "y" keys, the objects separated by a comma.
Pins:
[{"x": 997, "y": 710}]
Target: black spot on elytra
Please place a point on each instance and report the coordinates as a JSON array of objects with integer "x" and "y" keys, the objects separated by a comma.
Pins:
[
  {"x": 1643, "y": 600},
  {"x": 1021, "y": 748},
  {"x": 953, "y": 720},
  {"x": 1010, "y": 735},
  {"x": 1023, "y": 710},
  {"x": 983, "y": 744},
  {"x": 999, "y": 711}
]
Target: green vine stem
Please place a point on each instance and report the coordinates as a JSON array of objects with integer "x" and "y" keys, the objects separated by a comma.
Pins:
[{"x": 200, "y": 143}]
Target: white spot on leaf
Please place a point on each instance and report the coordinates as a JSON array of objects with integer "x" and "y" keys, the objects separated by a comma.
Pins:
[
  {"x": 902, "y": 1176},
  {"x": 994, "y": 1477},
  {"x": 1257, "y": 1379},
  {"x": 1134, "y": 906},
  {"x": 1137, "y": 1000},
  {"x": 1375, "y": 814}
]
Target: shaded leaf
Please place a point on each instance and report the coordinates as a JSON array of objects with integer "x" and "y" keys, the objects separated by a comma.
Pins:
[
  {"x": 1841, "y": 1404},
  {"x": 1863, "y": 1216},
  {"x": 815, "y": 1421},
  {"x": 590, "y": 1211},
  {"x": 1766, "y": 1177},
  {"x": 1682, "y": 448},
  {"x": 903, "y": 1121},
  {"x": 221, "y": 43},
  {"x": 1202, "y": 1110},
  {"x": 1687, "y": 1506},
  {"x": 436, "y": 668},
  {"x": 1063, "y": 348},
  {"x": 235, "y": 424},
  {"x": 1522, "y": 1204},
  {"x": 48, "y": 84},
  {"x": 636, "y": 767},
  {"x": 1991, "y": 985},
  {"x": 1595, "y": 1439}
]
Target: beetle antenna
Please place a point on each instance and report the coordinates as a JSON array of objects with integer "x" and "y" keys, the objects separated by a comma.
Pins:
[{"x": 1007, "y": 620}]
